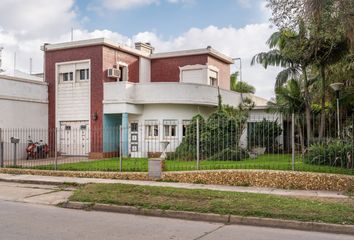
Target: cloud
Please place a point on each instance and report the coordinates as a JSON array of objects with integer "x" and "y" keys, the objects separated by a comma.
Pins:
[
  {"x": 242, "y": 42},
  {"x": 126, "y": 4},
  {"x": 17, "y": 35}
]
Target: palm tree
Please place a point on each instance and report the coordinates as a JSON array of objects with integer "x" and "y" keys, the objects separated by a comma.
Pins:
[
  {"x": 290, "y": 100},
  {"x": 241, "y": 87},
  {"x": 290, "y": 50}
]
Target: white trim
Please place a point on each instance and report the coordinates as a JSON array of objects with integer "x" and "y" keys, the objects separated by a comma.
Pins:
[
  {"x": 109, "y": 43},
  {"x": 93, "y": 42},
  {"x": 18, "y": 79},
  {"x": 57, "y": 64},
  {"x": 10, "y": 98}
]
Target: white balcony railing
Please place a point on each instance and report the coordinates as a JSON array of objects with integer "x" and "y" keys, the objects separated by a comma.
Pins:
[{"x": 164, "y": 92}]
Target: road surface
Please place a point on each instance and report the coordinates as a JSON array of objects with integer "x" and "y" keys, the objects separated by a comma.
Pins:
[{"x": 26, "y": 212}]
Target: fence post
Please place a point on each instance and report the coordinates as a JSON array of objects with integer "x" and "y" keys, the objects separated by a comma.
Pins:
[
  {"x": 1, "y": 150},
  {"x": 197, "y": 143},
  {"x": 55, "y": 149},
  {"x": 293, "y": 141},
  {"x": 120, "y": 148}
]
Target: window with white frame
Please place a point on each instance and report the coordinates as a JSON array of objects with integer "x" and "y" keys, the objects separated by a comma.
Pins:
[
  {"x": 67, "y": 76},
  {"x": 170, "y": 128},
  {"x": 185, "y": 124},
  {"x": 83, "y": 74},
  {"x": 151, "y": 129},
  {"x": 123, "y": 69},
  {"x": 213, "y": 78}
]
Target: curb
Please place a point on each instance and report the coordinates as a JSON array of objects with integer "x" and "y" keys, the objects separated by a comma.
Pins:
[{"x": 211, "y": 217}]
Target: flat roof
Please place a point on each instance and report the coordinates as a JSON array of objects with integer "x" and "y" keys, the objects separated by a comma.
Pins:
[{"x": 110, "y": 43}]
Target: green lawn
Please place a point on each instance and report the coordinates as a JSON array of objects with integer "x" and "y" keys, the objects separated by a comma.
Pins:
[
  {"x": 219, "y": 202},
  {"x": 267, "y": 161}
]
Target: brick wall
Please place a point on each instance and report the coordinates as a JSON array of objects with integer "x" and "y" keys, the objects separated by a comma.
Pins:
[
  {"x": 224, "y": 72},
  {"x": 112, "y": 56},
  {"x": 167, "y": 69}
]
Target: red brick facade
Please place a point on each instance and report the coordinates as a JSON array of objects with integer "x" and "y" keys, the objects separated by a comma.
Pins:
[
  {"x": 224, "y": 72},
  {"x": 112, "y": 56},
  {"x": 167, "y": 69}
]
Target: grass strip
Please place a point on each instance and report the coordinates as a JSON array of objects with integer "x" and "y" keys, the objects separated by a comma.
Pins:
[
  {"x": 219, "y": 202},
  {"x": 268, "y": 161}
]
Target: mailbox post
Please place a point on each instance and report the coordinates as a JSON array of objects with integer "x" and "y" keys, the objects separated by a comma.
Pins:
[{"x": 15, "y": 141}]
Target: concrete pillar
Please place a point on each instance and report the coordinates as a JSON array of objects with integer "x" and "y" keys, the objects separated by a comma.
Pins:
[{"x": 125, "y": 135}]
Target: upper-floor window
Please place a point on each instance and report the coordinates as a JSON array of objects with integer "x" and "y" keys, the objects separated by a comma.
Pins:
[
  {"x": 67, "y": 76},
  {"x": 213, "y": 78},
  {"x": 84, "y": 74}
]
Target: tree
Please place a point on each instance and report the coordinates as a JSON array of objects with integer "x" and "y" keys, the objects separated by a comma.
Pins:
[
  {"x": 241, "y": 87},
  {"x": 289, "y": 49},
  {"x": 290, "y": 99}
]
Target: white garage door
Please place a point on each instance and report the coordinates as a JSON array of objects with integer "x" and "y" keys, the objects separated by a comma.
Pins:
[{"x": 74, "y": 138}]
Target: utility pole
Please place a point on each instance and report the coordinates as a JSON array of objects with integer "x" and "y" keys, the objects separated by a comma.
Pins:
[{"x": 1, "y": 70}]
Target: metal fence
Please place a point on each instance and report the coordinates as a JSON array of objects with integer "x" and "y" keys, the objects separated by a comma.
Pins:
[{"x": 261, "y": 142}]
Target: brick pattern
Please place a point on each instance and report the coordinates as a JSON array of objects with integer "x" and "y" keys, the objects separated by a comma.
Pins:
[
  {"x": 112, "y": 56},
  {"x": 167, "y": 69},
  {"x": 224, "y": 72},
  {"x": 94, "y": 53}
]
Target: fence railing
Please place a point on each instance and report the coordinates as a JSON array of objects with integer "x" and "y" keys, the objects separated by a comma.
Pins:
[{"x": 261, "y": 142}]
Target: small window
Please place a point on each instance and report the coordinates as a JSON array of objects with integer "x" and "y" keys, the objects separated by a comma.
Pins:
[
  {"x": 134, "y": 127},
  {"x": 67, "y": 128},
  {"x": 83, "y": 127},
  {"x": 170, "y": 128},
  {"x": 68, "y": 76},
  {"x": 185, "y": 124},
  {"x": 151, "y": 129},
  {"x": 214, "y": 82},
  {"x": 84, "y": 74},
  {"x": 121, "y": 76},
  {"x": 134, "y": 148}
]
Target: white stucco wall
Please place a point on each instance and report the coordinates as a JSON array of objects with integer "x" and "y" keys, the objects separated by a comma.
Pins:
[
  {"x": 23, "y": 113},
  {"x": 144, "y": 70}
]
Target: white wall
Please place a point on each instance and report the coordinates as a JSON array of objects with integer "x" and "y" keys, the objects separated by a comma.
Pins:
[
  {"x": 144, "y": 70},
  {"x": 23, "y": 112},
  {"x": 159, "y": 113},
  {"x": 72, "y": 97}
]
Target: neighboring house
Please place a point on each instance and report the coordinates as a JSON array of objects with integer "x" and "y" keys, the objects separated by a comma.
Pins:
[
  {"x": 97, "y": 86},
  {"x": 23, "y": 109}
]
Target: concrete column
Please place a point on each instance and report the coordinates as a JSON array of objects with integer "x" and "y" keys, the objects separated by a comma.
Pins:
[{"x": 125, "y": 135}]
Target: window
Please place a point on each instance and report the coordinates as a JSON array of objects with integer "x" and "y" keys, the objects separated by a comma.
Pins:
[
  {"x": 170, "y": 128},
  {"x": 213, "y": 78},
  {"x": 68, "y": 76},
  {"x": 121, "y": 77},
  {"x": 185, "y": 124},
  {"x": 84, "y": 74},
  {"x": 151, "y": 129},
  {"x": 213, "y": 82},
  {"x": 134, "y": 127}
]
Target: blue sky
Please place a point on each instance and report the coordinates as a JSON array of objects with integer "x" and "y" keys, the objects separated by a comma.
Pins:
[
  {"x": 170, "y": 19},
  {"x": 237, "y": 28}
]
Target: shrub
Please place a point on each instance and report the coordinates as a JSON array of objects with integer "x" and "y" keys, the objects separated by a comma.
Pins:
[
  {"x": 264, "y": 134},
  {"x": 219, "y": 136},
  {"x": 337, "y": 153}
]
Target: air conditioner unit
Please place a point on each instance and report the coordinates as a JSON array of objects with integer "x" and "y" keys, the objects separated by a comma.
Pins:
[{"x": 113, "y": 73}]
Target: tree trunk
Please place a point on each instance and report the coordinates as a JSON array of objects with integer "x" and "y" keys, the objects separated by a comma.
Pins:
[
  {"x": 323, "y": 102},
  {"x": 308, "y": 109},
  {"x": 302, "y": 142}
]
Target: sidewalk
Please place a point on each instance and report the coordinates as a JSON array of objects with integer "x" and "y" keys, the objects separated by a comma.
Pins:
[{"x": 60, "y": 180}]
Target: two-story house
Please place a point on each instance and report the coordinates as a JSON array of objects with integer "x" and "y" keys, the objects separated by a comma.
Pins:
[{"x": 98, "y": 86}]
